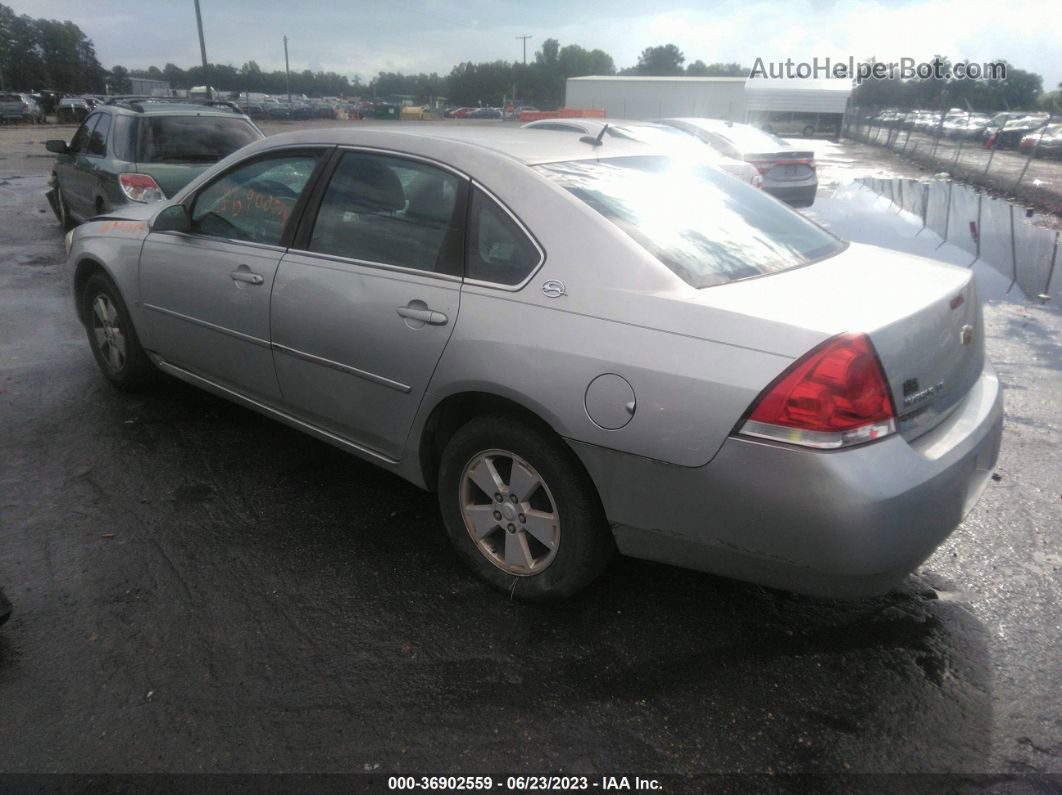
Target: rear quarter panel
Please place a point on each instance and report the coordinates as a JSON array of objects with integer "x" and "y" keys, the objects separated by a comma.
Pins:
[{"x": 692, "y": 368}]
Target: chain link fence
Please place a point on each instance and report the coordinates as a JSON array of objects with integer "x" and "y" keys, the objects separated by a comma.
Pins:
[{"x": 1034, "y": 175}]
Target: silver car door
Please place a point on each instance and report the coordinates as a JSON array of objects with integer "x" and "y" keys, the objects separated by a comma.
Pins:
[
  {"x": 205, "y": 293},
  {"x": 367, "y": 298}
]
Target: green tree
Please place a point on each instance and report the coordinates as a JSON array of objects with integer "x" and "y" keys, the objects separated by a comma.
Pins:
[
  {"x": 661, "y": 60},
  {"x": 118, "y": 81},
  {"x": 700, "y": 69},
  {"x": 44, "y": 54}
]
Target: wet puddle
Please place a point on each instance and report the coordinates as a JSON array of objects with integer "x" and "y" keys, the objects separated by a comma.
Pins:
[{"x": 1014, "y": 257}]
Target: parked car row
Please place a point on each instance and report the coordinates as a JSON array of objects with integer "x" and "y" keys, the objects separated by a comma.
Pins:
[
  {"x": 1004, "y": 130},
  {"x": 474, "y": 113}
]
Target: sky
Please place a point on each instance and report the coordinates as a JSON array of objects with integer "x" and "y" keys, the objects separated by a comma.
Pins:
[{"x": 363, "y": 37}]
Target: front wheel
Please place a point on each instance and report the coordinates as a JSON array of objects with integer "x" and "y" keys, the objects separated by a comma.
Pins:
[
  {"x": 112, "y": 337},
  {"x": 520, "y": 509},
  {"x": 809, "y": 131}
]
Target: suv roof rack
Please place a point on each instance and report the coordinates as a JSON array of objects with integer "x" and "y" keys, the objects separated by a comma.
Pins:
[{"x": 136, "y": 103}]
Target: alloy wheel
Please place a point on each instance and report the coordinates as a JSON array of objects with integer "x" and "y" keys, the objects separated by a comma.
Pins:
[
  {"x": 107, "y": 330},
  {"x": 509, "y": 512}
]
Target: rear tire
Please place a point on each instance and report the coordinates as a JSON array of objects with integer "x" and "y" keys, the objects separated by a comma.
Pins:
[
  {"x": 62, "y": 211},
  {"x": 552, "y": 539},
  {"x": 112, "y": 337},
  {"x": 809, "y": 131}
]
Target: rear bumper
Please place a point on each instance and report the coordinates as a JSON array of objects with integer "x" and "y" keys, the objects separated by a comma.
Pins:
[{"x": 847, "y": 523}]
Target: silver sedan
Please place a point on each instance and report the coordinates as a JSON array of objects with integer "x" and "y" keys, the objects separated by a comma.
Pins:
[{"x": 581, "y": 348}]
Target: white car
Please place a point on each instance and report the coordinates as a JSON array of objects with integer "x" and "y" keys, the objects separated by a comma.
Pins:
[{"x": 657, "y": 134}]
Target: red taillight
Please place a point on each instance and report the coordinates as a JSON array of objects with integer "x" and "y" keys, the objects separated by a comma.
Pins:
[
  {"x": 140, "y": 187},
  {"x": 834, "y": 396}
]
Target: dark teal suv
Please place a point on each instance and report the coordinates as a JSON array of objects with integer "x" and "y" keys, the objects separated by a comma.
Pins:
[{"x": 141, "y": 150}]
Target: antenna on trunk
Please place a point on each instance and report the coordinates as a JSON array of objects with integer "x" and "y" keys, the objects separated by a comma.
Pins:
[{"x": 594, "y": 141}]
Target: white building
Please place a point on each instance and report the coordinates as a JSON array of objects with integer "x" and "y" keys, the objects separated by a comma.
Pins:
[
  {"x": 788, "y": 107},
  {"x": 629, "y": 97}
]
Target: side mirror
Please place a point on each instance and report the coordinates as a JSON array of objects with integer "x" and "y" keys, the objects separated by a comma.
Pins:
[
  {"x": 59, "y": 147},
  {"x": 172, "y": 219}
]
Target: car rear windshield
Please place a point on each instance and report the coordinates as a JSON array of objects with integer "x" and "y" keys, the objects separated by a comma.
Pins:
[
  {"x": 703, "y": 224},
  {"x": 10, "y": 98},
  {"x": 191, "y": 139}
]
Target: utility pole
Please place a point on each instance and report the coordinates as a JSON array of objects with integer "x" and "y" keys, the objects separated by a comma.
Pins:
[
  {"x": 202, "y": 41},
  {"x": 287, "y": 69},
  {"x": 522, "y": 38}
]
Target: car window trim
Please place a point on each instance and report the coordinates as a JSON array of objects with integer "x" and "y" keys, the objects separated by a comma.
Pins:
[
  {"x": 85, "y": 124},
  {"x": 510, "y": 288},
  {"x": 301, "y": 239},
  {"x": 110, "y": 126},
  {"x": 322, "y": 153}
]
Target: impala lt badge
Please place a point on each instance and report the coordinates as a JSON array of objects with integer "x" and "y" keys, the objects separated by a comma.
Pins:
[
  {"x": 966, "y": 334},
  {"x": 912, "y": 395}
]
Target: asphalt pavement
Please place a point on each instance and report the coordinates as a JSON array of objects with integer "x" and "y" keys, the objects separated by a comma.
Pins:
[{"x": 199, "y": 589}]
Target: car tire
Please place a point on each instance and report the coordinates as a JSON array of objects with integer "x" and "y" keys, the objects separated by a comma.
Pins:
[
  {"x": 62, "y": 210},
  {"x": 112, "y": 336},
  {"x": 560, "y": 504},
  {"x": 809, "y": 131}
]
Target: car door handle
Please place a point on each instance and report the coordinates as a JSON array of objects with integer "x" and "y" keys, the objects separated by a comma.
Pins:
[
  {"x": 246, "y": 276},
  {"x": 429, "y": 316}
]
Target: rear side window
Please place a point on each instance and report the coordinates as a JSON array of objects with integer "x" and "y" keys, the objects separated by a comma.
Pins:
[
  {"x": 97, "y": 144},
  {"x": 703, "y": 224},
  {"x": 80, "y": 141},
  {"x": 191, "y": 138},
  {"x": 253, "y": 202},
  {"x": 389, "y": 210},
  {"x": 122, "y": 131},
  {"x": 498, "y": 249}
]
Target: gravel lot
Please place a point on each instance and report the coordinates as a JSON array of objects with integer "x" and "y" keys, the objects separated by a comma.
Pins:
[{"x": 198, "y": 589}]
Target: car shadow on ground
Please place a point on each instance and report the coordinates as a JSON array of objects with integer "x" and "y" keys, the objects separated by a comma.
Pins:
[{"x": 289, "y": 607}]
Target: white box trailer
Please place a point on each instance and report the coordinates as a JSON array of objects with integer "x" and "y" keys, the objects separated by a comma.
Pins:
[
  {"x": 797, "y": 107},
  {"x": 787, "y": 107},
  {"x": 628, "y": 97}
]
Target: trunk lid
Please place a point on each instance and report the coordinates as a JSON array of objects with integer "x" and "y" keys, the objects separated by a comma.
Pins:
[
  {"x": 784, "y": 166},
  {"x": 923, "y": 317}
]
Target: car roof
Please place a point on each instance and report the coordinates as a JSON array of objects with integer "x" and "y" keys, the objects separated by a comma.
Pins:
[
  {"x": 595, "y": 124},
  {"x": 741, "y": 135},
  {"x": 152, "y": 107},
  {"x": 526, "y": 146}
]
